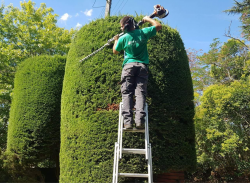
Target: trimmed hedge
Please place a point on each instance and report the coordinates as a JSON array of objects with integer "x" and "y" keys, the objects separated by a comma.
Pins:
[
  {"x": 34, "y": 128},
  {"x": 171, "y": 106},
  {"x": 91, "y": 88}
]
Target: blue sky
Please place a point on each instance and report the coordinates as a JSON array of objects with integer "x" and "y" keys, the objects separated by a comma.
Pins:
[{"x": 198, "y": 21}]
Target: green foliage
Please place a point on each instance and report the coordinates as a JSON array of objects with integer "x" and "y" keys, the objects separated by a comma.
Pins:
[
  {"x": 243, "y": 8},
  {"x": 89, "y": 130},
  {"x": 3, "y": 172},
  {"x": 221, "y": 117},
  {"x": 222, "y": 111},
  {"x": 3, "y": 134},
  {"x": 24, "y": 33},
  {"x": 199, "y": 71},
  {"x": 33, "y": 30},
  {"x": 34, "y": 127},
  {"x": 171, "y": 97},
  {"x": 224, "y": 63},
  {"x": 227, "y": 62},
  {"x": 222, "y": 129},
  {"x": 12, "y": 170}
]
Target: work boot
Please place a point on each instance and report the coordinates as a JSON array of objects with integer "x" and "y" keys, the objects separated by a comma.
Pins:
[
  {"x": 140, "y": 125},
  {"x": 128, "y": 126}
]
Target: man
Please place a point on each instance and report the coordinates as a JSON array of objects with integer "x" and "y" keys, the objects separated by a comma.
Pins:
[{"x": 135, "y": 68}]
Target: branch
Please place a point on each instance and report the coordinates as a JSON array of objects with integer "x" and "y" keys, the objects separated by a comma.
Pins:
[
  {"x": 242, "y": 117},
  {"x": 228, "y": 34},
  {"x": 229, "y": 75},
  {"x": 237, "y": 40},
  {"x": 216, "y": 64}
]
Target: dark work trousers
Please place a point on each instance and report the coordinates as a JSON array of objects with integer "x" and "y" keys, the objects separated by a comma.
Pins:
[{"x": 134, "y": 82}]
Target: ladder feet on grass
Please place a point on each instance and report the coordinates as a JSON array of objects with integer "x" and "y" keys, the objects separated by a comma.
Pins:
[{"x": 119, "y": 150}]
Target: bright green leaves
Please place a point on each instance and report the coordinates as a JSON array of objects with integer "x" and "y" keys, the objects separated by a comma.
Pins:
[
  {"x": 224, "y": 63},
  {"x": 34, "y": 30},
  {"x": 222, "y": 118},
  {"x": 26, "y": 32},
  {"x": 222, "y": 126},
  {"x": 227, "y": 62},
  {"x": 199, "y": 72}
]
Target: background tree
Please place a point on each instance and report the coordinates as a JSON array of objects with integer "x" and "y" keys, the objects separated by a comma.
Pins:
[
  {"x": 200, "y": 73},
  {"x": 222, "y": 116},
  {"x": 24, "y": 33},
  {"x": 222, "y": 130},
  {"x": 224, "y": 63},
  {"x": 227, "y": 62},
  {"x": 242, "y": 8}
]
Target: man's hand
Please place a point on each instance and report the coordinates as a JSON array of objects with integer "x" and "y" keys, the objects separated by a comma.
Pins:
[
  {"x": 116, "y": 37},
  {"x": 146, "y": 19},
  {"x": 152, "y": 22}
]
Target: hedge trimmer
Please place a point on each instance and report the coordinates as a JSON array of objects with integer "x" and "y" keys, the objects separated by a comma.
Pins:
[{"x": 159, "y": 12}]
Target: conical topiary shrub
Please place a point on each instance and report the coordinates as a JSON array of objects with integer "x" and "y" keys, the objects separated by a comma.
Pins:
[
  {"x": 91, "y": 94},
  {"x": 34, "y": 128}
]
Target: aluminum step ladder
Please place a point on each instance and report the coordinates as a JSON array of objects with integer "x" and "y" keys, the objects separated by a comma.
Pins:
[{"x": 119, "y": 150}]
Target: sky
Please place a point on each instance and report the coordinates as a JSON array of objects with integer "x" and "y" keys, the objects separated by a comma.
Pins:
[{"x": 198, "y": 21}]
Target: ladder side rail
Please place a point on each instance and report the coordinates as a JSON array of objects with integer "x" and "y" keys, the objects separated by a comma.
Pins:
[
  {"x": 115, "y": 164},
  {"x": 121, "y": 132},
  {"x": 146, "y": 131},
  {"x": 120, "y": 121},
  {"x": 150, "y": 166},
  {"x": 121, "y": 136},
  {"x": 148, "y": 128}
]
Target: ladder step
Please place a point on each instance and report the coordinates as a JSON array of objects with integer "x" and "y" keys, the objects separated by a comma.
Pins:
[
  {"x": 133, "y": 175},
  {"x": 133, "y": 130},
  {"x": 133, "y": 151}
]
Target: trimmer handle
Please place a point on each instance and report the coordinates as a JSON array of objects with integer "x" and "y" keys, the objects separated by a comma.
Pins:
[
  {"x": 112, "y": 39},
  {"x": 150, "y": 16}
]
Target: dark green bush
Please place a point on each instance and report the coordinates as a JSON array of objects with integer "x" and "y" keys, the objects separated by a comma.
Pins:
[
  {"x": 171, "y": 107},
  {"x": 34, "y": 128},
  {"x": 12, "y": 170},
  {"x": 89, "y": 129},
  {"x": 3, "y": 172}
]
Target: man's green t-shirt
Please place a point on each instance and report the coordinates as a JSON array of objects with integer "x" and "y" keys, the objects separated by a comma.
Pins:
[{"x": 134, "y": 44}]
